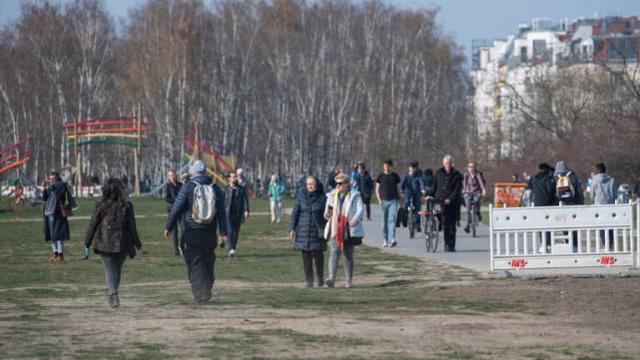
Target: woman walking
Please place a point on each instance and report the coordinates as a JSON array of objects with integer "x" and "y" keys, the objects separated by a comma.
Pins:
[
  {"x": 344, "y": 210},
  {"x": 276, "y": 196},
  {"x": 307, "y": 226},
  {"x": 113, "y": 233},
  {"x": 58, "y": 204}
]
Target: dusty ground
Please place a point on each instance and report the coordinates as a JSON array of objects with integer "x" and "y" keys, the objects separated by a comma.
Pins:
[{"x": 552, "y": 318}]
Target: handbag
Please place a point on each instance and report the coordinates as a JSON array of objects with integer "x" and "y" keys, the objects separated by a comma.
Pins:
[{"x": 65, "y": 208}]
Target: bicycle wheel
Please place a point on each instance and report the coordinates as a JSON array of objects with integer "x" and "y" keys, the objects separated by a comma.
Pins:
[
  {"x": 412, "y": 222},
  {"x": 436, "y": 234},
  {"x": 427, "y": 232}
]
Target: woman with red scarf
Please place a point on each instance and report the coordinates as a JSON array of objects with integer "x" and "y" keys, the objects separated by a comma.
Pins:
[{"x": 344, "y": 211}]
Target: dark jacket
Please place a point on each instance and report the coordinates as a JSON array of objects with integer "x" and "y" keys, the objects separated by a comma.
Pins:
[
  {"x": 448, "y": 186},
  {"x": 243, "y": 205},
  {"x": 171, "y": 192},
  {"x": 113, "y": 229},
  {"x": 184, "y": 204},
  {"x": 429, "y": 185},
  {"x": 543, "y": 189},
  {"x": 62, "y": 195},
  {"x": 365, "y": 183},
  {"x": 308, "y": 222}
]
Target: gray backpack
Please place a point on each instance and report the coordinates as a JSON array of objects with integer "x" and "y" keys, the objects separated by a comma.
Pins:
[{"x": 203, "y": 209}]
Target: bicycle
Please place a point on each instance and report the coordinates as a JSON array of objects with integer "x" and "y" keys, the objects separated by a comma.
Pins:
[
  {"x": 431, "y": 224},
  {"x": 411, "y": 220},
  {"x": 475, "y": 211}
]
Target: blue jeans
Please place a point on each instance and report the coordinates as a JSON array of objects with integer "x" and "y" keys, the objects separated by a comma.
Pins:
[{"x": 389, "y": 212}]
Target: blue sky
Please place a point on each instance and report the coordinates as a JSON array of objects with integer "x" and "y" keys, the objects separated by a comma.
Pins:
[{"x": 463, "y": 19}]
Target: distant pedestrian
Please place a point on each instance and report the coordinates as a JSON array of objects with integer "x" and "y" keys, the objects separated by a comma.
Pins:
[
  {"x": 59, "y": 202},
  {"x": 388, "y": 194},
  {"x": 199, "y": 239},
  {"x": 603, "y": 192},
  {"x": 171, "y": 189},
  {"x": 568, "y": 191},
  {"x": 344, "y": 211},
  {"x": 448, "y": 191},
  {"x": 412, "y": 186},
  {"x": 365, "y": 186},
  {"x": 473, "y": 190},
  {"x": 112, "y": 232},
  {"x": 237, "y": 209},
  {"x": 307, "y": 229},
  {"x": 277, "y": 191},
  {"x": 331, "y": 182},
  {"x": 543, "y": 193}
]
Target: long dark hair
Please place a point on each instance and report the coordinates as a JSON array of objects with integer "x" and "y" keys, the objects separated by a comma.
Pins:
[{"x": 113, "y": 190}]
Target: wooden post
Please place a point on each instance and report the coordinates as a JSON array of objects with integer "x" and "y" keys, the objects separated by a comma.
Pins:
[
  {"x": 78, "y": 180},
  {"x": 137, "y": 153}
]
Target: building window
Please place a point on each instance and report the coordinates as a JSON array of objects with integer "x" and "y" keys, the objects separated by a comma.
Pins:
[
  {"x": 523, "y": 54},
  {"x": 620, "y": 49},
  {"x": 539, "y": 48}
]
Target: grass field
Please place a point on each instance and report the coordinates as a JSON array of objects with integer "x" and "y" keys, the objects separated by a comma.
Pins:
[{"x": 400, "y": 307}]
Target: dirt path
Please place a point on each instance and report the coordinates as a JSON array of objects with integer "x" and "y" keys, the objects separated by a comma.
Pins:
[{"x": 554, "y": 318}]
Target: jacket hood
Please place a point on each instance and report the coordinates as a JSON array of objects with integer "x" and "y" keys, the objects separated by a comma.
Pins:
[
  {"x": 203, "y": 179},
  {"x": 601, "y": 178},
  {"x": 541, "y": 175},
  {"x": 561, "y": 168}
]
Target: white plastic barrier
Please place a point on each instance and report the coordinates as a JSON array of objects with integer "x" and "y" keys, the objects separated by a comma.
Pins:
[{"x": 580, "y": 236}]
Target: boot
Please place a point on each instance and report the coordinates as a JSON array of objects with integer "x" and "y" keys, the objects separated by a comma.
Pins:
[{"x": 53, "y": 257}]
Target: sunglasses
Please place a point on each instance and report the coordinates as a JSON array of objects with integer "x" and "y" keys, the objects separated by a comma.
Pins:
[{"x": 340, "y": 183}]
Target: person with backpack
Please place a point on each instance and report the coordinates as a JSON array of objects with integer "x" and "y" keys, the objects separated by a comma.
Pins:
[
  {"x": 543, "y": 193},
  {"x": 472, "y": 190},
  {"x": 568, "y": 186},
  {"x": 113, "y": 234},
  {"x": 568, "y": 191},
  {"x": 237, "y": 210},
  {"x": 603, "y": 192},
  {"x": 59, "y": 203},
  {"x": 307, "y": 229},
  {"x": 344, "y": 211},
  {"x": 202, "y": 206}
]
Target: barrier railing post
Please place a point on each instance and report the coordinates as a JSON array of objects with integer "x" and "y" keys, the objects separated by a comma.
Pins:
[
  {"x": 637, "y": 235},
  {"x": 491, "y": 236}
]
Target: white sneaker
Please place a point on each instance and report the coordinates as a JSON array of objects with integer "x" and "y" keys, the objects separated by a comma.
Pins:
[
  {"x": 232, "y": 253},
  {"x": 385, "y": 245}
]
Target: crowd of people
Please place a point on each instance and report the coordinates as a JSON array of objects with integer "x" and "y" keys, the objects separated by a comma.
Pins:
[{"x": 203, "y": 215}]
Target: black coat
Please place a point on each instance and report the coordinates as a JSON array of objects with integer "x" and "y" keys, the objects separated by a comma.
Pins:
[
  {"x": 113, "y": 229},
  {"x": 184, "y": 204},
  {"x": 543, "y": 189},
  {"x": 448, "y": 186},
  {"x": 171, "y": 192},
  {"x": 307, "y": 220},
  {"x": 429, "y": 185},
  {"x": 365, "y": 182},
  {"x": 243, "y": 206},
  {"x": 62, "y": 192}
]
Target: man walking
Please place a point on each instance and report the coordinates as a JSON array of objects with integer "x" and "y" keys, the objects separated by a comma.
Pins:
[
  {"x": 171, "y": 190},
  {"x": 199, "y": 239},
  {"x": 237, "y": 210},
  {"x": 603, "y": 191},
  {"x": 542, "y": 187},
  {"x": 388, "y": 194},
  {"x": 448, "y": 188}
]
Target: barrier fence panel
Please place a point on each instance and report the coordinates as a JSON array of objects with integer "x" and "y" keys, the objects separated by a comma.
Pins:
[{"x": 564, "y": 236}]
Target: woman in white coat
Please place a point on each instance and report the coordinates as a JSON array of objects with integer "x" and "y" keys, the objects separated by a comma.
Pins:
[{"x": 344, "y": 211}]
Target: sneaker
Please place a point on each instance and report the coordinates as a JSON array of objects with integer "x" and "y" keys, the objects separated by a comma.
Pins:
[
  {"x": 393, "y": 244},
  {"x": 113, "y": 300},
  {"x": 542, "y": 250},
  {"x": 385, "y": 245},
  {"x": 232, "y": 253},
  {"x": 349, "y": 284},
  {"x": 330, "y": 283},
  {"x": 309, "y": 284},
  {"x": 467, "y": 229}
]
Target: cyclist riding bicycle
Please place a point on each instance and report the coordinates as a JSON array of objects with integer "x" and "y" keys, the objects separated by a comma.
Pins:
[
  {"x": 473, "y": 190},
  {"x": 412, "y": 186}
]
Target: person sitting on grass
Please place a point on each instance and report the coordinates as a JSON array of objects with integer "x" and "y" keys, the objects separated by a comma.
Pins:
[{"x": 113, "y": 234}]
